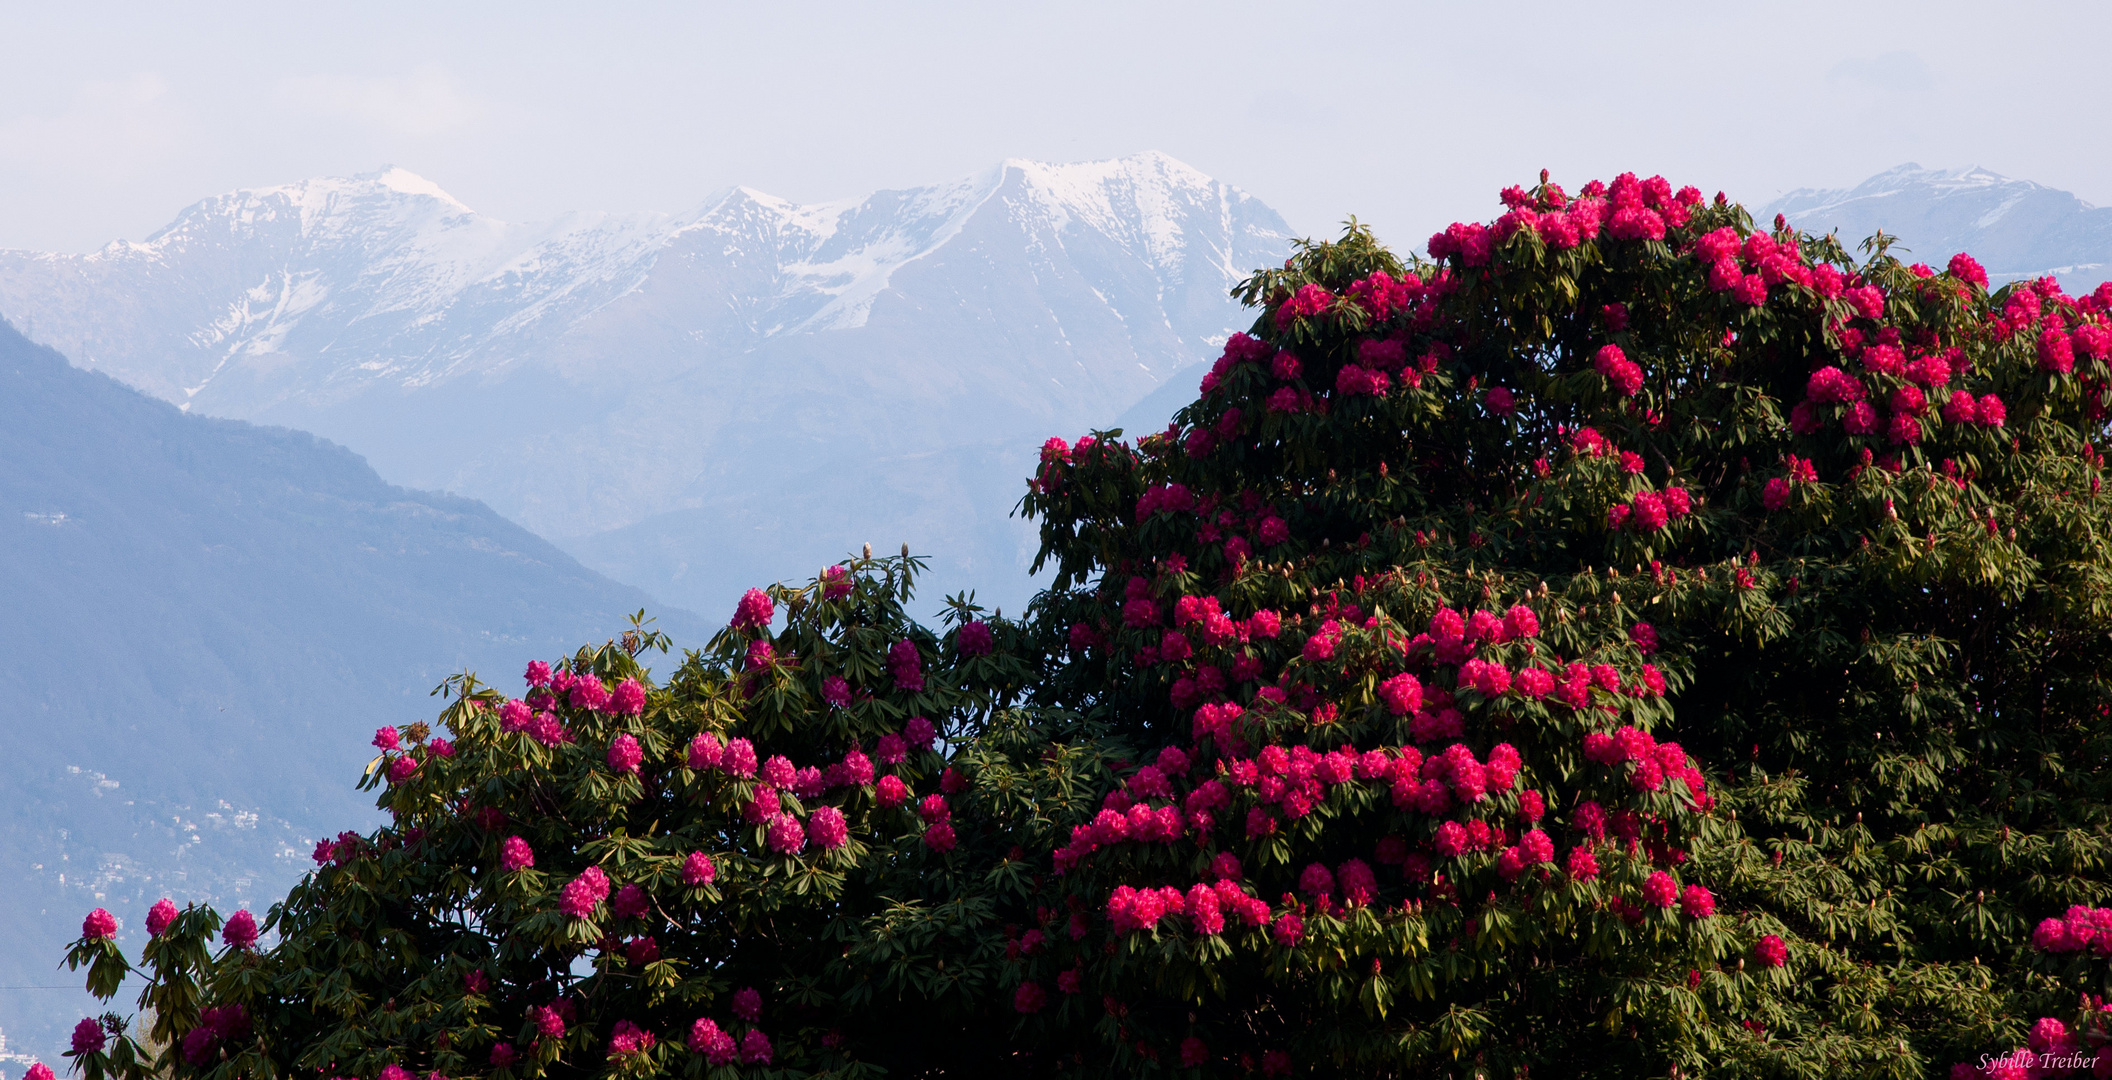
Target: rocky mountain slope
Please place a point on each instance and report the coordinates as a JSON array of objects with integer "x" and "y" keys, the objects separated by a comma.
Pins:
[{"x": 205, "y": 621}]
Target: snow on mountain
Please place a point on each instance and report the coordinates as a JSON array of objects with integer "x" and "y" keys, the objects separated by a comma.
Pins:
[
  {"x": 2016, "y": 228},
  {"x": 689, "y": 402}
]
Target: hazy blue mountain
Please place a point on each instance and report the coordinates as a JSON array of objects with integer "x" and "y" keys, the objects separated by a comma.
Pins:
[
  {"x": 691, "y": 402},
  {"x": 205, "y": 620},
  {"x": 2017, "y": 229}
]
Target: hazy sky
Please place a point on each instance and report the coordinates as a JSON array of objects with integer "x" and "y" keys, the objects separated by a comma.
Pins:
[{"x": 115, "y": 116}]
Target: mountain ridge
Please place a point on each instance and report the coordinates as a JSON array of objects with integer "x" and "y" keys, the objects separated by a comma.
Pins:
[
  {"x": 599, "y": 375},
  {"x": 2016, "y": 228}
]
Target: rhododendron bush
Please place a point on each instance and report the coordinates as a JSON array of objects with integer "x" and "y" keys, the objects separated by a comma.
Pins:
[{"x": 1632, "y": 641}]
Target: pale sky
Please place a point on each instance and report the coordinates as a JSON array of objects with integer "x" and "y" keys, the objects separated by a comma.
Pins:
[{"x": 115, "y": 116}]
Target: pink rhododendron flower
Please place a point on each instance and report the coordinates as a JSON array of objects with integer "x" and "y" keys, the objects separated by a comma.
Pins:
[
  {"x": 628, "y": 699},
  {"x": 1320, "y": 647},
  {"x": 755, "y": 609},
  {"x": 1451, "y": 839},
  {"x": 1867, "y": 301},
  {"x": 240, "y": 931},
  {"x": 779, "y": 772},
  {"x": 706, "y": 1038},
  {"x": 547, "y": 730},
  {"x": 975, "y": 639},
  {"x": 1194, "y": 1053},
  {"x": 761, "y": 654},
  {"x": 785, "y": 835},
  {"x": 2056, "y": 351},
  {"x": 1660, "y": 890},
  {"x": 88, "y": 1037},
  {"x": 1771, "y": 951},
  {"x": 856, "y": 769},
  {"x": 698, "y": 869},
  {"x": 1648, "y": 510},
  {"x": 1289, "y": 930},
  {"x": 629, "y": 1038},
  {"x": 100, "y": 925},
  {"x": 1614, "y": 365},
  {"x": 631, "y": 902},
  {"x": 1359, "y": 885},
  {"x": 1029, "y": 998},
  {"x": 1696, "y": 902},
  {"x": 160, "y": 916},
  {"x": 827, "y": 828},
  {"x": 891, "y": 749},
  {"x": 1403, "y": 694},
  {"x": 1831, "y": 384},
  {"x": 548, "y": 1022},
  {"x": 1644, "y": 636},
  {"x": 1774, "y": 495},
  {"x": 387, "y": 739},
  {"x": 919, "y": 734},
  {"x": 514, "y": 716},
  {"x": 1884, "y": 359},
  {"x": 1992, "y": 412},
  {"x": 1307, "y": 301},
  {"x": 836, "y": 690},
  {"x": 891, "y": 791},
  {"x": 748, "y": 1004},
  {"x": 580, "y": 895},
  {"x": 939, "y": 837},
  {"x": 1967, "y": 269},
  {"x": 515, "y": 854},
  {"x": 705, "y": 751},
  {"x": 739, "y": 759},
  {"x": 1316, "y": 881},
  {"x": 1510, "y": 864},
  {"x": 934, "y": 808},
  {"x": 1962, "y": 408},
  {"x": 755, "y": 1048},
  {"x": 905, "y": 665},
  {"x": 1520, "y": 622},
  {"x": 588, "y": 693},
  {"x": 624, "y": 753}
]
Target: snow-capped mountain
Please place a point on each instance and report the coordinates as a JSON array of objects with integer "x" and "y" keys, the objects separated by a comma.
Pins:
[
  {"x": 2016, "y": 228},
  {"x": 688, "y": 402}
]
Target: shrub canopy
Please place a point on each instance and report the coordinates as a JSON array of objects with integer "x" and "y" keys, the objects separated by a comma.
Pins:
[{"x": 1630, "y": 642}]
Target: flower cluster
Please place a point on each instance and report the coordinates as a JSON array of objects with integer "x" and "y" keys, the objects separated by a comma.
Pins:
[
  {"x": 2080, "y": 929},
  {"x": 583, "y": 893}
]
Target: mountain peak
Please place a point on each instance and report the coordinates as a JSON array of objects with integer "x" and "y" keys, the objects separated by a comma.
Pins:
[
  {"x": 399, "y": 179},
  {"x": 1137, "y": 167}
]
